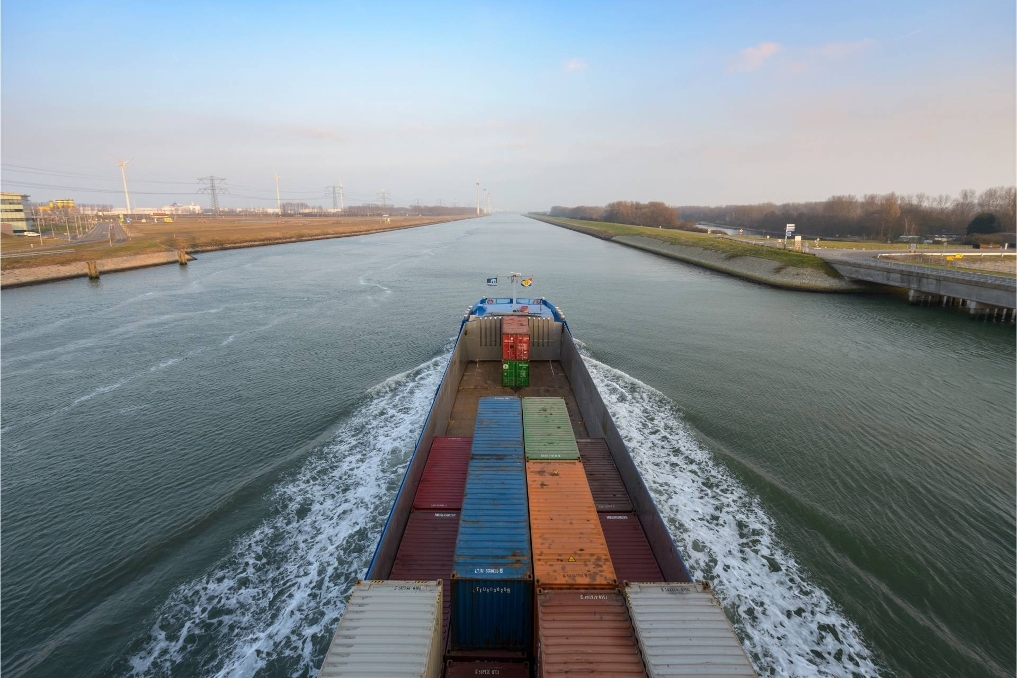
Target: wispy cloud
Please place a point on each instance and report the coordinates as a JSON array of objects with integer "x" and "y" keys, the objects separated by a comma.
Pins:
[
  {"x": 575, "y": 64},
  {"x": 840, "y": 50},
  {"x": 751, "y": 58}
]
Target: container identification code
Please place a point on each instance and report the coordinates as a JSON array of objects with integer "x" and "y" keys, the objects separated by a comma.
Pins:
[
  {"x": 491, "y": 589},
  {"x": 489, "y": 570}
]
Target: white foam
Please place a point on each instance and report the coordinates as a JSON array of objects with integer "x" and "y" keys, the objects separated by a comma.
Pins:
[
  {"x": 102, "y": 389},
  {"x": 788, "y": 625},
  {"x": 276, "y": 598},
  {"x": 164, "y": 364},
  {"x": 228, "y": 340}
]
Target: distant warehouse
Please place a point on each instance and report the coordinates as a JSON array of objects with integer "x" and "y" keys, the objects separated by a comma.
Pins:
[{"x": 12, "y": 213}]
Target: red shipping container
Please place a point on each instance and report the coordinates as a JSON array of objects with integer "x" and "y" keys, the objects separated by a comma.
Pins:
[
  {"x": 508, "y": 346},
  {"x": 515, "y": 324},
  {"x": 466, "y": 669},
  {"x": 426, "y": 553},
  {"x": 630, "y": 551},
  {"x": 608, "y": 490},
  {"x": 522, "y": 346},
  {"x": 444, "y": 478},
  {"x": 586, "y": 633}
]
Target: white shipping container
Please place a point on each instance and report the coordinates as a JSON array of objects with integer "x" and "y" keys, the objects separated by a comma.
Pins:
[
  {"x": 683, "y": 631},
  {"x": 389, "y": 628}
]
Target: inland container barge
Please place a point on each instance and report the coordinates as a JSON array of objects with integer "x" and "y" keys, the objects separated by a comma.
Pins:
[{"x": 523, "y": 541}]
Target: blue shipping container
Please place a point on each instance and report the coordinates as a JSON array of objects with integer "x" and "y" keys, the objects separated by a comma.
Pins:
[
  {"x": 498, "y": 430},
  {"x": 492, "y": 575}
]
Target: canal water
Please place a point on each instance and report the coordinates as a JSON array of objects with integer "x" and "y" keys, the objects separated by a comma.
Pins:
[{"x": 197, "y": 462}]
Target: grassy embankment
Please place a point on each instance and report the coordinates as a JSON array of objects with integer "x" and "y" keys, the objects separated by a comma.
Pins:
[
  {"x": 731, "y": 249},
  {"x": 198, "y": 234}
]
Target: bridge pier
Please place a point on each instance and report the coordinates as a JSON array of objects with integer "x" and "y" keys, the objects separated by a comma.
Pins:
[{"x": 990, "y": 313}]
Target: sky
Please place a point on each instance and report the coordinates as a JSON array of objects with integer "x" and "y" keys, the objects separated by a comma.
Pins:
[{"x": 577, "y": 103}]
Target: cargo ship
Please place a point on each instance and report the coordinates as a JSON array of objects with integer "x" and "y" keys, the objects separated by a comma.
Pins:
[{"x": 523, "y": 542}]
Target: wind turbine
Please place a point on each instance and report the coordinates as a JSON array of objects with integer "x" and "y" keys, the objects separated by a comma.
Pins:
[
  {"x": 123, "y": 175},
  {"x": 278, "y": 202}
]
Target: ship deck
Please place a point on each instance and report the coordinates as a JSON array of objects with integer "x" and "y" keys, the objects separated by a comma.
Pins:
[{"x": 482, "y": 378}]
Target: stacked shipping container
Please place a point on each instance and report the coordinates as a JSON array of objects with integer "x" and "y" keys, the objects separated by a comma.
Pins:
[
  {"x": 582, "y": 623},
  {"x": 492, "y": 576},
  {"x": 515, "y": 351},
  {"x": 428, "y": 545},
  {"x": 683, "y": 631},
  {"x": 389, "y": 628},
  {"x": 630, "y": 550}
]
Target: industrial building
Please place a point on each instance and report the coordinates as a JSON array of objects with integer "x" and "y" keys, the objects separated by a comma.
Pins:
[{"x": 13, "y": 218}]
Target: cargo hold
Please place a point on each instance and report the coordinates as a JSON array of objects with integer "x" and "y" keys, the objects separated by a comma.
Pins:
[
  {"x": 389, "y": 628},
  {"x": 683, "y": 631},
  {"x": 586, "y": 632},
  {"x": 569, "y": 549}
]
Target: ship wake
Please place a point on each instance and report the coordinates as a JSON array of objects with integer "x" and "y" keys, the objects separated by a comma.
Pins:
[
  {"x": 788, "y": 626},
  {"x": 271, "y": 605}
]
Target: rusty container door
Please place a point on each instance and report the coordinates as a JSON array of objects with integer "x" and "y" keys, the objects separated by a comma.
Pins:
[{"x": 586, "y": 633}]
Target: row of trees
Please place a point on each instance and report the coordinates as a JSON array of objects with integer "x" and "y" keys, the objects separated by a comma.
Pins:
[
  {"x": 653, "y": 214},
  {"x": 887, "y": 216}
]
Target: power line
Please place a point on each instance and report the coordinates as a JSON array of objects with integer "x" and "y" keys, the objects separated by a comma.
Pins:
[
  {"x": 336, "y": 193},
  {"x": 209, "y": 186}
]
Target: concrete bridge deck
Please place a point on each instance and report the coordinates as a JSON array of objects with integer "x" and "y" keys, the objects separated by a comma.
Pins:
[{"x": 978, "y": 291}]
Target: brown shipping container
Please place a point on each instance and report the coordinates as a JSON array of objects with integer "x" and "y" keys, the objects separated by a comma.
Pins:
[
  {"x": 609, "y": 493},
  {"x": 569, "y": 549},
  {"x": 427, "y": 551},
  {"x": 466, "y": 669},
  {"x": 630, "y": 551},
  {"x": 514, "y": 324},
  {"x": 586, "y": 633},
  {"x": 444, "y": 478}
]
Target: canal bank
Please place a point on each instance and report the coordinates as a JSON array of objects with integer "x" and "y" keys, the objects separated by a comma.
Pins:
[
  {"x": 778, "y": 268},
  {"x": 91, "y": 263}
]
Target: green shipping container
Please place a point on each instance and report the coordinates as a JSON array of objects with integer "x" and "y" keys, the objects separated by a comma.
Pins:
[
  {"x": 522, "y": 373},
  {"x": 508, "y": 373},
  {"x": 547, "y": 430}
]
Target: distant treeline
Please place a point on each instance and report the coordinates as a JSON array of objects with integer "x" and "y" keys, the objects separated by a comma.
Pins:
[
  {"x": 654, "y": 214},
  {"x": 886, "y": 217}
]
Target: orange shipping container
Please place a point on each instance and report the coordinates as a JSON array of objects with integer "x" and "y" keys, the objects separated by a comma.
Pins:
[{"x": 569, "y": 549}]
